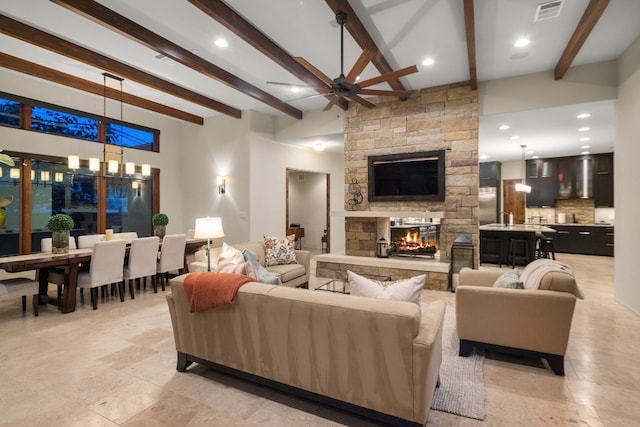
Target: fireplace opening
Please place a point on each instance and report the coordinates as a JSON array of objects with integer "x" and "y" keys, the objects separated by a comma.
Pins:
[{"x": 414, "y": 240}]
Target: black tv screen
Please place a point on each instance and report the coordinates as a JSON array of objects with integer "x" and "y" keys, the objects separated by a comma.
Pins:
[{"x": 407, "y": 177}]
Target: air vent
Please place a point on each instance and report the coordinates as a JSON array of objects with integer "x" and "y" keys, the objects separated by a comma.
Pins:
[
  {"x": 164, "y": 58},
  {"x": 548, "y": 10},
  {"x": 301, "y": 177}
]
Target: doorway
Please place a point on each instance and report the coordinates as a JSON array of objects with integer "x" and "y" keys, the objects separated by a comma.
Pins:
[
  {"x": 513, "y": 201},
  {"x": 307, "y": 206}
]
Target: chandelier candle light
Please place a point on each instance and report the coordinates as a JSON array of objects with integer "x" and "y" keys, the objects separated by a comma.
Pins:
[{"x": 208, "y": 228}]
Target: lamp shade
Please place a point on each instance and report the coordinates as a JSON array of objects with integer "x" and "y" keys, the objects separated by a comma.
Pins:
[
  {"x": 112, "y": 166},
  {"x": 208, "y": 228},
  {"x": 130, "y": 168},
  {"x": 523, "y": 188},
  {"x": 74, "y": 162},
  {"x": 14, "y": 173},
  {"x": 146, "y": 170},
  {"x": 94, "y": 164}
]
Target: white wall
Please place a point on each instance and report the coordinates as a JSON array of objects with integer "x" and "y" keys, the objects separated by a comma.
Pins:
[
  {"x": 168, "y": 160},
  {"x": 626, "y": 155}
]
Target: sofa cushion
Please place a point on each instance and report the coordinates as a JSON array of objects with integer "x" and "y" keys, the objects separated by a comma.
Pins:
[
  {"x": 231, "y": 254},
  {"x": 400, "y": 290},
  {"x": 287, "y": 272},
  {"x": 226, "y": 266},
  {"x": 510, "y": 279},
  {"x": 550, "y": 275},
  {"x": 262, "y": 274},
  {"x": 279, "y": 251}
]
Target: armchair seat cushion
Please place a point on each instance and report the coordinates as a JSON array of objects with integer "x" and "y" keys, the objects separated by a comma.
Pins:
[{"x": 287, "y": 272}]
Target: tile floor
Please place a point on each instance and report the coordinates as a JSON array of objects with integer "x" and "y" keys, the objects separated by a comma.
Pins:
[{"x": 116, "y": 366}]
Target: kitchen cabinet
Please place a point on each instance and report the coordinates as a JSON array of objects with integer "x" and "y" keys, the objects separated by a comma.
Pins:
[
  {"x": 583, "y": 239},
  {"x": 584, "y": 177},
  {"x": 564, "y": 174},
  {"x": 540, "y": 178},
  {"x": 603, "y": 181},
  {"x": 490, "y": 174}
]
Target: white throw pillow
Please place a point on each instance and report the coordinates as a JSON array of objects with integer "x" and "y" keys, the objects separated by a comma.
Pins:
[
  {"x": 231, "y": 254},
  {"x": 400, "y": 290}
]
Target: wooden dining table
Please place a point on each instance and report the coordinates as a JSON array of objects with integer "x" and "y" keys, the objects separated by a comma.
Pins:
[{"x": 43, "y": 261}]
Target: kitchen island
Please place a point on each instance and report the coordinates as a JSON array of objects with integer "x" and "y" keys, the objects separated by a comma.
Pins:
[{"x": 496, "y": 239}]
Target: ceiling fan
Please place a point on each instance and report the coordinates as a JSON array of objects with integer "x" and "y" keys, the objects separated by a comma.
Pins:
[{"x": 346, "y": 86}]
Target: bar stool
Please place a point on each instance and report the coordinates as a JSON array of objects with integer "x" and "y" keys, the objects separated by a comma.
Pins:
[
  {"x": 545, "y": 247},
  {"x": 518, "y": 251},
  {"x": 491, "y": 250}
]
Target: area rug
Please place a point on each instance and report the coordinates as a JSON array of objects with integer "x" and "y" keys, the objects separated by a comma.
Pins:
[{"x": 461, "y": 390}]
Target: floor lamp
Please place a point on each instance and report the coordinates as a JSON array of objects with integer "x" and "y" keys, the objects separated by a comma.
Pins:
[{"x": 208, "y": 228}]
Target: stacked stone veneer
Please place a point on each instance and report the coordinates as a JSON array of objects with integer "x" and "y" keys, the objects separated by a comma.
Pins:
[{"x": 438, "y": 118}]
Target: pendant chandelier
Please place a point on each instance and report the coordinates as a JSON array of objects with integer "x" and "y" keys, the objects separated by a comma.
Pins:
[{"x": 523, "y": 187}]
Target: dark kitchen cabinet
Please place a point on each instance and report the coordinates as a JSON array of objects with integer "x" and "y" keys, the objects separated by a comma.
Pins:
[
  {"x": 584, "y": 177},
  {"x": 585, "y": 240},
  {"x": 540, "y": 177},
  {"x": 490, "y": 174},
  {"x": 603, "y": 181},
  {"x": 565, "y": 174}
]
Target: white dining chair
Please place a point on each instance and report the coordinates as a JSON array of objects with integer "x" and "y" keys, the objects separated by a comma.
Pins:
[
  {"x": 107, "y": 263},
  {"x": 55, "y": 275},
  {"x": 171, "y": 255},
  {"x": 20, "y": 287},
  {"x": 87, "y": 240},
  {"x": 143, "y": 260}
]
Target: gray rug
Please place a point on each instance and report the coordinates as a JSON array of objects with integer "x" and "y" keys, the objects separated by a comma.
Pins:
[{"x": 461, "y": 390}]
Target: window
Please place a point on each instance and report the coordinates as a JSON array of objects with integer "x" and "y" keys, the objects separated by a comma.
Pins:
[
  {"x": 61, "y": 123},
  {"x": 9, "y": 113},
  {"x": 127, "y": 136}
]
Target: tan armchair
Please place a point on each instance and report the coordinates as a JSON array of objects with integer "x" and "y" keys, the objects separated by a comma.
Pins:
[{"x": 533, "y": 322}]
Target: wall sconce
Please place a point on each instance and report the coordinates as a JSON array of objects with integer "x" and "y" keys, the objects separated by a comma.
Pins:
[
  {"x": 136, "y": 186},
  {"x": 14, "y": 174},
  {"x": 146, "y": 170},
  {"x": 73, "y": 162},
  {"x": 44, "y": 177},
  {"x": 129, "y": 168},
  {"x": 58, "y": 177},
  {"x": 94, "y": 164},
  {"x": 112, "y": 166},
  {"x": 222, "y": 184}
]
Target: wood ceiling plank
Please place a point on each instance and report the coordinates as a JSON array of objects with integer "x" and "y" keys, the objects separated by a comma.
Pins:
[
  {"x": 44, "y": 40},
  {"x": 388, "y": 76},
  {"x": 589, "y": 19},
  {"x": 42, "y": 72},
  {"x": 130, "y": 29},
  {"x": 470, "y": 30},
  {"x": 229, "y": 18},
  {"x": 364, "y": 40}
]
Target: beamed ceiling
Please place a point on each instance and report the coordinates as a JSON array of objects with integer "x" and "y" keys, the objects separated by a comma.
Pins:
[{"x": 165, "y": 50}]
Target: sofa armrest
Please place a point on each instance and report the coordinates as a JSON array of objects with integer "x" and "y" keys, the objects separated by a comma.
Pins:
[
  {"x": 536, "y": 320},
  {"x": 471, "y": 277},
  {"x": 304, "y": 258}
]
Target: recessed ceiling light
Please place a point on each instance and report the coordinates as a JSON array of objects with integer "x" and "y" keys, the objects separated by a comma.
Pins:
[
  {"x": 295, "y": 89},
  {"x": 529, "y": 152},
  {"x": 515, "y": 137},
  {"x": 504, "y": 127},
  {"x": 585, "y": 152},
  {"x": 586, "y": 138},
  {"x": 584, "y": 147},
  {"x": 318, "y": 146},
  {"x": 428, "y": 61},
  {"x": 221, "y": 43},
  {"x": 584, "y": 129},
  {"x": 521, "y": 42},
  {"x": 583, "y": 115},
  {"x": 535, "y": 157}
]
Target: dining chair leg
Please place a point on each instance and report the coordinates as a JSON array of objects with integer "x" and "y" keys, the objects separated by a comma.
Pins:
[
  {"x": 120, "y": 285},
  {"x": 35, "y": 302},
  {"x": 94, "y": 298},
  {"x": 82, "y": 295},
  {"x": 24, "y": 303},
  {"x": 155, "y": 283},
  {"x": 162, "y": 278},
  {"x": 132, "y": 293}
]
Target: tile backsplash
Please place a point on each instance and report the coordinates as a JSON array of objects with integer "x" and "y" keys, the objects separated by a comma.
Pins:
[{"x": 584, "y": 210}]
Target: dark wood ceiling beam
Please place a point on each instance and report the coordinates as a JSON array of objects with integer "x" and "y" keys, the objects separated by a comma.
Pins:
[
  {"x": 128, "y": 28},
  {"x": 364, "y": 39},
  {"x": 470, "y": 30},
  {"x": 589, "y": 19},
  {"x": 44, "y": 40},
  {"x": 242, "y": 28},
  {"x": 46, "y": 73}
]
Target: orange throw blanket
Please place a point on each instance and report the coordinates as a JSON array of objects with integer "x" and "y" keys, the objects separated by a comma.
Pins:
[{"x": 210, "y": 290}]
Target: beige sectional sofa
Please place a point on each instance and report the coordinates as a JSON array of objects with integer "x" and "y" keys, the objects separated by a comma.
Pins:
[
  {"x": 534, "y": 322},
  {"x": 292, "y": 275},
  {"x": 378, "y": 358}
]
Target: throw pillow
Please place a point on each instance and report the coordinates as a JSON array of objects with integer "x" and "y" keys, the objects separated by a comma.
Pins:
[
  {"x": 400, "y": 290},
  {"x": 232, "y": 254},
  {"x": 279, "y": 251},
  {"x": 263, "y": 275},
  {"x": 227, "y": 266},
  {"x": 510, "y": 279}
]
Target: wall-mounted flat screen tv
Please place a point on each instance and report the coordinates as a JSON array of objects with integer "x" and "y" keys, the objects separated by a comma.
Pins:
[{"x": 407, "y": 177}]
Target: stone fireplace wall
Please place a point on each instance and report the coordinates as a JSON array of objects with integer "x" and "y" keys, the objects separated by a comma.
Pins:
[{"x": 438, "y": 118}]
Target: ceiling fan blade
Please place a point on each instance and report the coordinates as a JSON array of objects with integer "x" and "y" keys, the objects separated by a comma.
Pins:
[
  {"x": 398, "y": 93},
  {"x": 331, "y": 103},
  {"x": 365, "y": 57},
  {"x": 301, "y": 86},
  {"x": 309, "y": 96},
  {"x": 388, "y": 76},
  {"x": 362, "y": 101},
  {"x": 313, "y": 70}
]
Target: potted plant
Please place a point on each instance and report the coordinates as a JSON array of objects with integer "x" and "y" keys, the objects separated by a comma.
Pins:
[
  {"x": 160, "y": 222},
  {"x": 6, "y": 201},
  {"x": 60, "y": 225}
]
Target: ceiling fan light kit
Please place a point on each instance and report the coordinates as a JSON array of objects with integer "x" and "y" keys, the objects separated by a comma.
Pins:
[{"x": 346, "y": 86}]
